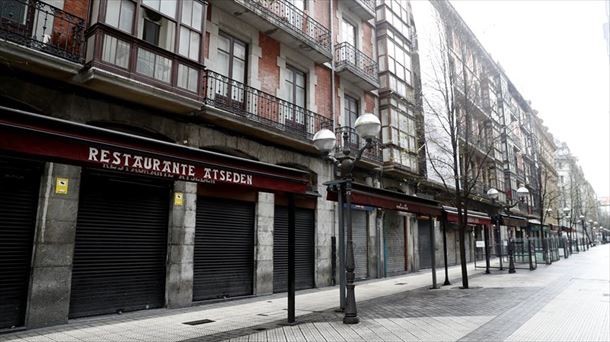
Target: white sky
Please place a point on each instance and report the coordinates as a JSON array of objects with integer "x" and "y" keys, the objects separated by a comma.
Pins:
[{"x": 556, "y": 55}]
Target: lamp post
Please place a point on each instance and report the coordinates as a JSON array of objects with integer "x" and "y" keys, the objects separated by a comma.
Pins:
[
  {"x": 367, "y": 127},
  {"x": 567, "y": 214},
  {"x": 584, "y": 229},
  {"x": 565, "y": 248},
  {"x": 493, "y": 194}
]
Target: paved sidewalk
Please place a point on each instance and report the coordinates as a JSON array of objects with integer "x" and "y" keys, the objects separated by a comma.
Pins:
[{"x": 565, "y": 301}]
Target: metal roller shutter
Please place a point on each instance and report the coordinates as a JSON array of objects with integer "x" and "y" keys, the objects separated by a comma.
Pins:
[
  {"x": 360, "y": 240},
  {"x": 120, "y": 247},
  {"x": 394, "y": 244},
  {"x": 304, "y": 249},
  {"x": 19, "y": 187},
  {"x": 425, "y": 259},
  {"x": 224, "y": 249}
]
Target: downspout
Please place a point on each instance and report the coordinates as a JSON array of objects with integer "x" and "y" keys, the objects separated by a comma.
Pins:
[{"x": 332, "y": 64}]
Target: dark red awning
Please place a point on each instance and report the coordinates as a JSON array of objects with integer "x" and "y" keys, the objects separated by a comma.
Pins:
[
  {"x": 387, "y": 199},
  {"x": 65, "y": 141},
  {"x": 474, "y": 217}
]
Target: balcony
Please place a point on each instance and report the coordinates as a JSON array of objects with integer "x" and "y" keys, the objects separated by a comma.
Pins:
[
  {"x": 356, "y": 67},
  {"x": 259, "y": 109},
  {"x": 122, "y": 65},
  {"x": 284, "y": 22},
  {"x": 365, "y": 9},
  {"x": 372, "y": 155},
  {"x": 42, "y": 27}
]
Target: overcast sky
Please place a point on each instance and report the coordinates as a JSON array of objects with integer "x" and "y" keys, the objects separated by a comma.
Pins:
[{"x": 556, "y": 55}]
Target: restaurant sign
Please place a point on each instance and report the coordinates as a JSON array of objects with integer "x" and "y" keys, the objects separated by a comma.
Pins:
[{"x": 135, "y": 163}]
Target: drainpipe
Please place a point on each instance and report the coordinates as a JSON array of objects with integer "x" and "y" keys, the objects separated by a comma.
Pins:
[{"x": 332, "y": 64}]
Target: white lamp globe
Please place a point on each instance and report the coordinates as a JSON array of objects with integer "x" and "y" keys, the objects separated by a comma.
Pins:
[
  {"x": 324, "y": 140},
  {"x": 522, "y": 192},
  {"x": 493, "y": 193},
  {"x": 367, "y": 126},
  {"x": 566, "y": 210}
]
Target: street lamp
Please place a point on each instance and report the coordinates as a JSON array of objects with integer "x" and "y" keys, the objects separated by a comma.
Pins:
[
  {"x": 367, "y": 127},
  {"x": 493, "y": 194}
]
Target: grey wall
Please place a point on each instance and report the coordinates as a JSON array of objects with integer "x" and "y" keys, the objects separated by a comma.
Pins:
[{"x": 50, "y": 281}]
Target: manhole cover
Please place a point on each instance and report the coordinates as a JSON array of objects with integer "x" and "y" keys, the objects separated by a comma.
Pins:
[{"x": 201, "y": 321}]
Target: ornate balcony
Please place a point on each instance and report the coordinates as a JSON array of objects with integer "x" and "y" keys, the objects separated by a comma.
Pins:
[
  {"x": 284, "y": 22},
  {"x": 372, "y": 155},
  {"x": 40, "y": 26},
  {"x": 356, "y": 67},
  {"x": 260, "y": 108},
  {"x": 364, "y": 8}
]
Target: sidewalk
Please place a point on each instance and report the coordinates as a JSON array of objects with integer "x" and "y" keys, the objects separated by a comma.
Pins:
[
  {"x": 565, "y": 301},
  {"x": 168, "y": 325}
]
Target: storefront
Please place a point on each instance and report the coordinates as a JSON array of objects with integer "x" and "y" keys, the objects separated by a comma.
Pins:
[
  {"x": 395, "y": 248},
  {"x": 132, "y": 225},
  {"x": 476, "y": 225}
]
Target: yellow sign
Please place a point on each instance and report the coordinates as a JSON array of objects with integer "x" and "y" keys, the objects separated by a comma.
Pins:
[
  {"x": 178, "y": 198},
  {"x": 61, "y": 185}
]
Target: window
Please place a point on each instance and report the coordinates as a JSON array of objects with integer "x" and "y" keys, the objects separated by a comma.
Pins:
[
  {"x": 232, "y": 65},
  {"x": 157, "y": 29},
  {"x": 154, "y": 66},
  {"x": 120, "y": 13},
  {"x": 295, "y": 83},
  {"x": 166, "y": 7},
  {"x": 188, "y": 78},
  {"x": 350, "y": 112},
  {"x": 190, "y": 29},
  {"x": 115, "y": 51}
]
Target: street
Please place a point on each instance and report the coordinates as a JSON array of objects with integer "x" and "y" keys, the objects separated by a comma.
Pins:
[{"x": 565, "y": 301}]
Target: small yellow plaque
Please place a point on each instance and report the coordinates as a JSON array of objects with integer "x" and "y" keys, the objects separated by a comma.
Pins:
[
  {"x": 178, "y": 198},
  {"x": 61, "y": 185}
]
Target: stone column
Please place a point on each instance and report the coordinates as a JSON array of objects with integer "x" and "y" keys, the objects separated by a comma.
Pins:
[
  {"x": 325, "y": 227},
  {"x": 181, "y": 244},
  {"x": 263, "y": 262},
  {"x": 51, "y": 275}
]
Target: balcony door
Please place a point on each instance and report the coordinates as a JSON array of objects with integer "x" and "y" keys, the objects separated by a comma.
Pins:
[
  {"x": 294, "y": 114},
  {"x": 350, "y": 114},
  {"x": 348, "y": 35},
  {"x": 229, "y": 88}
]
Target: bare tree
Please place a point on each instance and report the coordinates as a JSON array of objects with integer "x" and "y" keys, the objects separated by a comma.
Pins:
[{"x": 458, "y": 141}]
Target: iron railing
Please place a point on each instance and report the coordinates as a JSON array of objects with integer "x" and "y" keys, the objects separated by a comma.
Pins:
[
  {"x": 262, "y": 108},
  {"x": 285, "y": 14},
  {"x": 346, "y": 55},
  {"x": 373, "y": 154},
  {"x": 42, "y": 27}
]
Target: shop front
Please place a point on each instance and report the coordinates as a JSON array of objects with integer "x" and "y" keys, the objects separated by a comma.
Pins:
[
  {"x": 121, "y": 213},
  {"x": 395, "y": 240},
  {"x": 477, "y": 236}
]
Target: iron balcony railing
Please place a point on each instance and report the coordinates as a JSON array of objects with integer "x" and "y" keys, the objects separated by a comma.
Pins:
[
  {"x": 42, "y": 27},
  {"x": 262, "y": 108},
  {"x": 346, "y": 55},
  {"x": 373, "y": 154},
  {"x": 285, "y": 14}
]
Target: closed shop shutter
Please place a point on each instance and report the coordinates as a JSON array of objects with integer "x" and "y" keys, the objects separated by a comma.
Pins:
[
  {"x": 19, "y": 189},
  {"x": 394, "y": 244},
  {"x": 360, "y": 240},
  {"x": 425, "y": 259},
  {"x": 224, "y": 249},
  {"x": 304, "y": 249},
  {"x": 120, "y": 247}
]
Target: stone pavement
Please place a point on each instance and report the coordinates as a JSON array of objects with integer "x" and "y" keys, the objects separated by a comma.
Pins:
[{"x": 566, "y": 301}]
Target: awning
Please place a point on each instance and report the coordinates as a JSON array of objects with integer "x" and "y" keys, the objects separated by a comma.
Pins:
[
  {"x": 369, "y": 196},
  {"x": 474, "y": 217},
  {"x": 514, "y": 221},
  {"x": 73, "y": 143}
]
